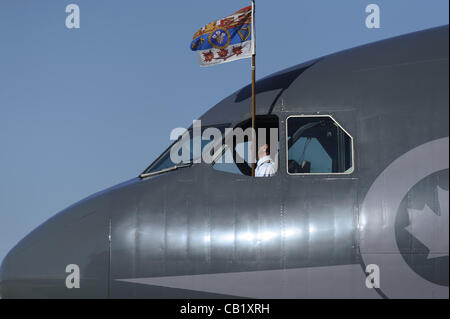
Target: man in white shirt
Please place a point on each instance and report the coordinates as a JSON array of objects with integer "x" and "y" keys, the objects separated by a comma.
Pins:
[{"x": 265, "y": 167}]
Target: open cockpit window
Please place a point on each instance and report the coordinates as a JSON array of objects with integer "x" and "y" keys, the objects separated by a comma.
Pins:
[
  {"x": 236, "y": 154},
  {"x": 183, "y": 152},
  {"x": 318, "y": 145}
]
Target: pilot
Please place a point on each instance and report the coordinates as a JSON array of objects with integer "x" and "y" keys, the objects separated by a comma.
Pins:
[{"x": 265, "y": 167}]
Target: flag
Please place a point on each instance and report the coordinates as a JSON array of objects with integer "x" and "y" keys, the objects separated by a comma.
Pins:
[{"x": 225, "y": 40}]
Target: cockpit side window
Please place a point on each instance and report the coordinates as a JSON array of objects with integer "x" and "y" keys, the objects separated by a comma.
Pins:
[
  {"x": 318, "y": 145},
  {"x": 165, "y": 161},
  {"x": 235, "y": 156}
]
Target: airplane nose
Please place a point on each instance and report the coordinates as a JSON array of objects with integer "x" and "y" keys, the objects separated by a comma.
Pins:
[{"x": 72, "y": 246}]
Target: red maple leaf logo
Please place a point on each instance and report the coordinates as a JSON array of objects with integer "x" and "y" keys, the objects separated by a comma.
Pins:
[
  {"x": 223, "y": 54},
  {"x": 208, "y": 56},
  {"x": 237, "y": 50}
]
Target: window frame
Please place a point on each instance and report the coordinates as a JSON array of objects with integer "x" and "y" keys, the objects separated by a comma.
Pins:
[
  {"x": 225, "y": 125},
  {"x": 319, "y": 174}
]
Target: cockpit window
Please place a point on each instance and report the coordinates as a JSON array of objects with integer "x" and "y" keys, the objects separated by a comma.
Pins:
[
  {"x": 318, "y": 145},
  {"x": 185, "y": 141},
  {"x": 235, "y": 156}
]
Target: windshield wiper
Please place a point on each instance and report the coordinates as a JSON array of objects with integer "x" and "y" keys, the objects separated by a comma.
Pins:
[{"x": 144, "y": 175}]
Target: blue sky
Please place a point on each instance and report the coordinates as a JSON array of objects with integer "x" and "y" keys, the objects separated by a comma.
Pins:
[{"x": 84, "y": 109}]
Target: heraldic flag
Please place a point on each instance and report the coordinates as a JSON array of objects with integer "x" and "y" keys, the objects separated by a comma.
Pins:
[{"x": 225, "y": 40}]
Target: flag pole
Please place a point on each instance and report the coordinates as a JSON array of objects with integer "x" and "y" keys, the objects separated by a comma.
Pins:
[{"x": 253, "y": 90}]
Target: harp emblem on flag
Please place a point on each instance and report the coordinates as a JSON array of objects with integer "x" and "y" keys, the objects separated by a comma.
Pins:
[{"x": 244, "y": 33}]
